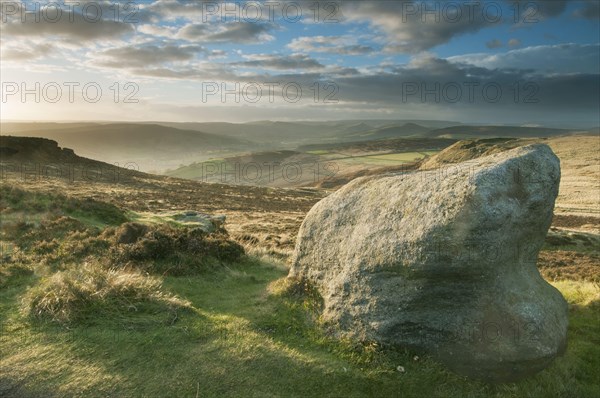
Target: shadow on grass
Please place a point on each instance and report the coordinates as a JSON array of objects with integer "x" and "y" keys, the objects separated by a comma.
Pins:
[
  {"x": 287, "y": 325},
  {"x": 239, "y": 341}
]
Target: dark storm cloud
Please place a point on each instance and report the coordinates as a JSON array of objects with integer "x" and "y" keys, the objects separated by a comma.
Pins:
[
  {"x": 590, "y": 10},
  {"x": 540, "y": 8},
  {"x": 564, "y": 58},
  {"x": 441, "y": 79}
]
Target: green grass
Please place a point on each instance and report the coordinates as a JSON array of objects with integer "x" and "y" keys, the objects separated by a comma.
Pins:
[
  {"x": 385, "y": 159},
  {"x": 198, "y": 169},
  {"x": 235, "y": 329},
  {"x": 581, "y": 293},
  {"x": 90, "y": 292},
  {"x": 243, "y": 337},
  {"x": 33, "y": 205}
]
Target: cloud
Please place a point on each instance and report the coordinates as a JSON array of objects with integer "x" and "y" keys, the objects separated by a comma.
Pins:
[
  {"x": 538, "y": 9},
  {"x": 172, "y": 38},
  {"x": 412, "y": 26},
  {"x": 203, "y": 11},
  {"x": 514, "y": 43},
  {"x": 387, "y": 86},
  {"x": 19, "y": 52},
  {"x": 70, "y": 25},
  {"x": 495, "y": 43},
  {"x": 591, "y": 10},
  {"x": 431, "y": 83},
  {"x": 200, "y": 72},
  {"x": 233, "y": 32},
  {"x": 407, "y": 26},
  {"x": 559, "y": 58},
  {"x": 343, "y": 45},
  {"x": 147, "y": 55},
  {"x": 156, "y": 30},
  {"x": 280, "y": 62},
  {"x": 217, "y": 54},
  {"x": 170, "y": 9}
]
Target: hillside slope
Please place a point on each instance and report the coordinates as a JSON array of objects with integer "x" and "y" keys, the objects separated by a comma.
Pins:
[
  {"x": 35, "y": 159},
  {"x": 256, "y": 213},
  {"x": 150, "y": 146},
  {"x": 466, "y": 132},
  {"x": 580, "y": 167}
]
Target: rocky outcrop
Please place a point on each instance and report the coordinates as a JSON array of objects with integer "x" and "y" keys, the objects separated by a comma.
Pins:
[
  {"x": 443, "y": 261},
  {"x": 34, "y": 158}
]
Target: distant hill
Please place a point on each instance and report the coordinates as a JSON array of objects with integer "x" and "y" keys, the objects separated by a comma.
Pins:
[
  {"x": 271, "y": 135},
  {"x": 36, "y": 158},
  {"x": 320, "y": 165},
  {"x": 136, "y": 137},
  {"x": 466, "y": 132},
  {"x": 270, "y": 168},
  {"x": 390, "y": 131},
  {"x": 7, "y": 128},
  {"x": 358, "y": 128},
  {"x": 158, "y": 146},
  {"x": 289, "y": 135},
  {"x": 383, "y": 145},
  {"x": 151, "y": 146}
]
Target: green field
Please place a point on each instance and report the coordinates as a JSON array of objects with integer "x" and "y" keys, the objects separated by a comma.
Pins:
[{"x": 389, "y": 159}]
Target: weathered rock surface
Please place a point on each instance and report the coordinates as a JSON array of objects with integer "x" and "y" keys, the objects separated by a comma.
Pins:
[
  {"x": 206, "y": 222},
  {"x": 443, "y": 261}
]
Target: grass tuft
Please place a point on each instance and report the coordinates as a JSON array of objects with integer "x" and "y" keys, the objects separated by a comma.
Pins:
[
  {"x": 299, "y": 290},
  {"x": 93, "y": 292},
  {"x": 579, "y": 293}
]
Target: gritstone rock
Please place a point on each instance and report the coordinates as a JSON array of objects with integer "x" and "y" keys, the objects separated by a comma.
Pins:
[{"x": 443, "y": 261}]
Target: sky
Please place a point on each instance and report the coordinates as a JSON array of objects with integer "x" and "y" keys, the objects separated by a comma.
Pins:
[{"x": 493, "y": 62}]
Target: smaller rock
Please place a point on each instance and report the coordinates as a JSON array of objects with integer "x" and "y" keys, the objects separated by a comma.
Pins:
[
  {"x": 401, "y": 369},
  {"x": 208, "y": 223}
]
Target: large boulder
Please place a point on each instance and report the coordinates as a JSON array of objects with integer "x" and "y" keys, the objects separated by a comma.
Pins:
[{"x": 443, "y": 261}]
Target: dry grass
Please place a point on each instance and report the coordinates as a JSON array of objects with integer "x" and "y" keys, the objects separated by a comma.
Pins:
[
  {"x": 579, "y": 293},
  {"x": 580, "y": 168},
  {"x": 91, "y": 291},
  {"x": 569, "y": 265}
]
